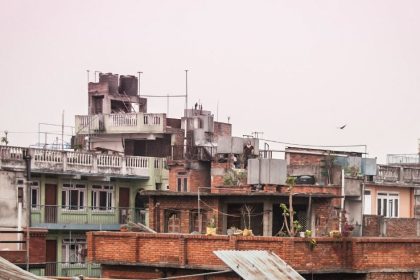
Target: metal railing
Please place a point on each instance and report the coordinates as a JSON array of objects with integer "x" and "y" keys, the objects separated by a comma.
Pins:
[
  {"x": 100, "y": 215},
  {"x": 403, "y": 159},
  {"x": 205, "y": 153},
  {"x": 68, "y": 269}
]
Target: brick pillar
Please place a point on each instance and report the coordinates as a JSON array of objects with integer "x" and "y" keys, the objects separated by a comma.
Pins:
[
  {"x": 233, "y": 242},
  {"x": 183, "y": 251}
]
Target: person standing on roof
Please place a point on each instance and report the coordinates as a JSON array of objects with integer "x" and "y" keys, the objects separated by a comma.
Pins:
[{"x": 248, "y": 151}]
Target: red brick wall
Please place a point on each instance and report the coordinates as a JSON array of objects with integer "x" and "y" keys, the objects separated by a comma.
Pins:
[
  {"x": 199, "y": 176},
  {"x": 222, "y": 129},
  {"x": 14, "y": 256},
  {"x": 326, "y": 216},
  {"x": 371, "y": 225},
  {"x": 184, "y": 207},
  {"x": 303, "y": 159},
  {"x": 391, "y": 276},
  {"x": 37, "y": 245},
  {"x": 400, "y": 227},
  {"x": 195, "y": 251},
  {"x": 218, "y": 169},
  {"x": 392, "y": 227}
]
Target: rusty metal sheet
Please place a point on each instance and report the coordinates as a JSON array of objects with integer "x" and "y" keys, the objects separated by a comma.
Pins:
[
  {"x": 258, "y": 265},
  {"x": 11, "y": 271}
]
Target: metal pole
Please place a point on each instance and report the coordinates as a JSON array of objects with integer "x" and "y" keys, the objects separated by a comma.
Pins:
[
  {"x": 139, "y": 81},
  {"x": 167, "y": 105},
  {"x": 342, "y": 201},
  {"x": 186, "y": 113},
  {"x": 39, "y": 135},
  {"x": 217, "y": 111},
  {"x": 27, "y": 159},
  {"x": 186, "y": 89},
  {"x": 62, "y": 131}
]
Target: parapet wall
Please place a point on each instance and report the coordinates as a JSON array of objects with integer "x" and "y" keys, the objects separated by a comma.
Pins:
[{"x": 196, "y": 251}]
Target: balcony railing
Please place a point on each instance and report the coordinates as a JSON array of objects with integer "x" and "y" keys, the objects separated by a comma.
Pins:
[
  {"x": 205, "y": 153},
  {"x": 403, "y": 159},
  {"x": 85, "y": 215},
  {"x": 400, "y": 174},
  {"x": 67, "y": 269},
  {"x": 121, "y": 123},
  {"x": 83, "y": 162}
]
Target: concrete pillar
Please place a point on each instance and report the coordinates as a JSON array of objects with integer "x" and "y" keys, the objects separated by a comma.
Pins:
[{"x": 268, "y": 218}]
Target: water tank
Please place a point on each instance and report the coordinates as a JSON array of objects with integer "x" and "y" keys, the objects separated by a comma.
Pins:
[
  {"x": 111, "y": 79},
  {"x": 129, "y": 85}
]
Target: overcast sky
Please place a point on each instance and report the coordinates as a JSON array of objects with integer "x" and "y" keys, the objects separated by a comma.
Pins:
[{"x": 295, "y": 70}]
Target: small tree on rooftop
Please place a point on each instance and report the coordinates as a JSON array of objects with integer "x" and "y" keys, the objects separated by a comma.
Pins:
[{"x": 292, "y": 226}]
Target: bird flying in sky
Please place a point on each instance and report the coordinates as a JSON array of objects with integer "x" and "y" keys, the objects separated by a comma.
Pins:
[{"x": 342, "y": 127}]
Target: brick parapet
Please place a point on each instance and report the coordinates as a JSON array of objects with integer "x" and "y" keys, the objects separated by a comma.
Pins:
[{"x": 196, "y": 251}]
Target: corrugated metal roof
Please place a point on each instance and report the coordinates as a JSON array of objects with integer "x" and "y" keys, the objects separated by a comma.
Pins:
[
  {"x": 258, "y": 265},
  {"x": 11, "y": 271}
]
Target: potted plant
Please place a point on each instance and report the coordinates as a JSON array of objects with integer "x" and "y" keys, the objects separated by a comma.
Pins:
[{"x": 347, "y": 229}]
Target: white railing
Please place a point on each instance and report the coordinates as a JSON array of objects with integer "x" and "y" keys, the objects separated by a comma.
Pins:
[
  {"x": 52, "y": 156},
  {"x": 83, "y": 162},
  {"x": 109, "y": 161},
  {"x": 75, "y": 158},
  {"x": 137, "y": 162},
  {"x": 121, "y": 120},
  {"x": 88, "y": 124},
  {"x": 8, "y": 152},
  {"x": 152, "y": 119},
  {"x": 159, "y": 163},
  {"x": 121, "y": 123}
]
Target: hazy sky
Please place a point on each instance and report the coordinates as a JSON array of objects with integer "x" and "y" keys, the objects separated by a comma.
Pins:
[{"x": 295, "y": 70}]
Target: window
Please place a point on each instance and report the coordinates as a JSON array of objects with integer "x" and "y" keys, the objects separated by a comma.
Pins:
[
  {"x": 102, "y": 197},
  {"x": 74, "y": 250},
  {"x": 195, "y": 222},
  {"x": 20, "y": 184},
  {"x": 367, "y": 206},
  {"x": 73, "y": 196},
  {"x": 388, "y": 204},
  {"x": 172, "y": 222},
  {"x": 35, "y": 195},
  {"x": 182, "y": 182}
]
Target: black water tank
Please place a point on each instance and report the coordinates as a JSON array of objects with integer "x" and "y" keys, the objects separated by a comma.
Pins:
[
  {"x": 112, "y": 80},
  {"x": 128, "y": 85}
]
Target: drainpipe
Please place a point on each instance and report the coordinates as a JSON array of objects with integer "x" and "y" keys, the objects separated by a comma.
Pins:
[
  {"x": 342, "y": 200},
  {"x": 27, "y": 157}
]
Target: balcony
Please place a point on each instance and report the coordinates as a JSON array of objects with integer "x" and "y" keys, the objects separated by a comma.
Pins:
[
  {"x": 398, "y": 174},
  {"x": 121, "y": 123},
  {"x": 58, "y": 217},
  {"x": 56, "y": 161}
]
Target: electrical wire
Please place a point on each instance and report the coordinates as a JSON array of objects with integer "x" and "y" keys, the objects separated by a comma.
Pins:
[{"x": 308, "y": 145}]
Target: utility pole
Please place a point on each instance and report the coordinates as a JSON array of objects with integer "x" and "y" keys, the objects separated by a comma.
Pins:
[{"x": 27, "y": 157}]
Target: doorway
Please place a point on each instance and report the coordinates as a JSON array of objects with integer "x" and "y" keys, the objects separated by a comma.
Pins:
[{"x": 51, "y": 203}]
